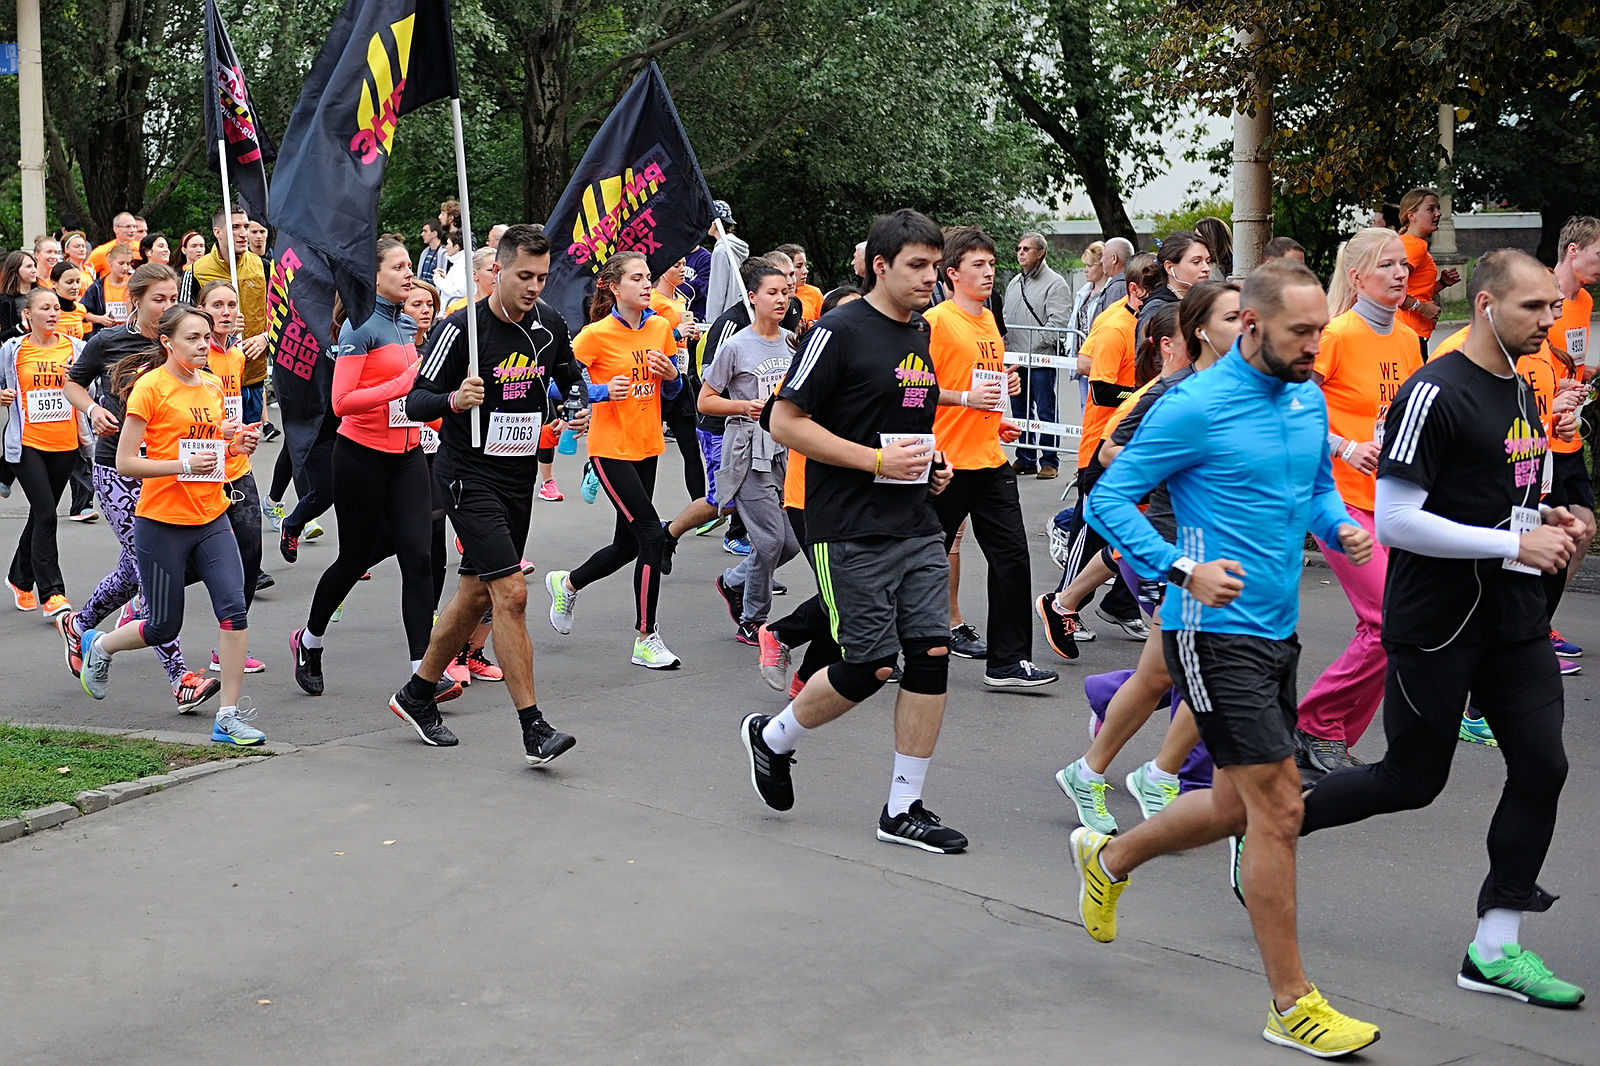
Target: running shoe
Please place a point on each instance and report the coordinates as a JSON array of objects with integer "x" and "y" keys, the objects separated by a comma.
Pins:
[
  {"x": 562, "y": 602},
  {"x": 1317, "y": 1029},
  {"x": 919, "y": 827},
  {"x": 1236, "y": 869},
  {"x": 796, "y": 684},
  {"x": 1133, "y": 628},
  {"x": 252, "y": 665},
  {"x": 424, "y": 718},
  {"x": 447, "y": 689},
  {"x": 366, "y": 576},
  {"x": 894, "y": 676},
  {"x": 1325, "y": 755},
  {"x": 1520, "y": 975},
  {"x": 965, "y": 643},
  {"x": 769, "y": 771},
  {"x": 780, "y": 589},
  {"x": 481, "y": 669},
  {"x": 131, "y": 611},
  {"x": 1060, "y": 627},
  {"x": 66, "y": 625},
  {"x": 526, "y": 567},
  {"x": 55, "y": 606},
  {"x": 288, "y": 547},
  {"x": 457, "y": 670},
  {"x": 736, "y": 545},
  {"x": 23, "y": 598},
  {"x": 1153, "y": 793},
  {"x": 264, "y": 581},
  {"x": 748, "y": 633},
  {"x": 1089, "y": 796},
  {"x": 5, "y": 490},
  {"x": 233, "y": 727},
  {"x": 274, "y": 512},
  {"x": 732, "y": 598},
  {"x": 307, "y": 664},
  {"x": 194, "y": 689},
  {"x": 96, "y": 674},
  {"x": 1097, "y": 893},
  {"x": 338, "y": 613},
  {"x": 1019, "y": 675},
  {"x": 549, "y": 493},
  {"x": 1476, "y": 731},
  {"x": 313, "y": 530},
  {"x": 1564, "y": 647},
  {"x": 84, "y": 516},
  {"x": 270, "y": 431},
  {"x": 1569, "y": 667},
  {"x": 589, "y": 488},
  {"x": 669, "y": 547},
  {"x": 1083, "y": 634},
  {"x": 541, "y": 742},
  {"x": 775, "y": 658},
  {"x": 652, "y": 652},
  {"x": 705, "y": 528}
]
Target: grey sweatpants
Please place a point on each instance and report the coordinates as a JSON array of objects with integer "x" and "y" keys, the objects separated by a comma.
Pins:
[{"x": 772, "y": 543}]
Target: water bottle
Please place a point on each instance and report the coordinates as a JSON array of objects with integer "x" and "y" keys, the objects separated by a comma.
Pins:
[{"x": 569, "y": 410}]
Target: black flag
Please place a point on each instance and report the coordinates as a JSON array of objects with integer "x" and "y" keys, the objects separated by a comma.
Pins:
[
  {"x": 382, "y": 59},
  {"x": 639, "y": 188},
  {"x": 231, "y": 118}
]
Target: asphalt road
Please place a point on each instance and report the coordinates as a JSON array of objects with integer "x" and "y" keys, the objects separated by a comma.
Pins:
[{"x": 636, "y": 902}]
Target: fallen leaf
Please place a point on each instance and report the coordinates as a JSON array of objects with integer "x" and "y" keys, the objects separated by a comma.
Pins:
[
  {"x": 338, "y": 853},
  {"x": 63, "y": 769},
  {"x": 386, "y": 843},
  {"x": 264, "y": 1002}
]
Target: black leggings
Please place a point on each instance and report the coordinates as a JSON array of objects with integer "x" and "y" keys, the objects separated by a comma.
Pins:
[
  {"x": 1517, "y": 688},
  {"x": 638, "y": 539},
  {"x": 437, "y": 558},
  {"x": 375, "y": 493},
  {"x": 680, "y": 419},
  {"x": 165, "y": 551},
  {"x": 314, "y": 481},
  {"x": 809, "y": 623},
  {"x": 282, "y": 474},
  {"x": 43, "y": 476},
  {"x": 244, "y": 515}
]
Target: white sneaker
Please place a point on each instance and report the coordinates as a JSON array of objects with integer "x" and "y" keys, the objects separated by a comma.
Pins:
[
  {"x": 562, "y": 602},
  {"x": 652, "y": 652}
]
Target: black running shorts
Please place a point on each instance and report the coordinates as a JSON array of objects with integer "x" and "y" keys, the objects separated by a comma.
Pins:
[
  {"x": 1241, "y": 689},
  {"x": 492, "y": 524}
]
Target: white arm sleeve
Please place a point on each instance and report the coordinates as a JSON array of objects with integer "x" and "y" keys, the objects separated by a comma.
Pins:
[{"x": 1402, "y": 523}]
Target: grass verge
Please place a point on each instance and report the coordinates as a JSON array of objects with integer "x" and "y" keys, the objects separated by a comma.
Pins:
[{"x": 43, "y": 766}]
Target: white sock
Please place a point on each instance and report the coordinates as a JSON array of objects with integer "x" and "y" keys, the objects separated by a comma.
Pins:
[
  {"x": 1090, "y": 775},
  {"x": 416, "y": 664},
  {"x": 310, "y": 640},
  {"x": 906, "y": 786},
  {"x": 225, "y": 711},
  {"x": 1156, "y": 773},
  {"x": 783, "y": 733},
  {"x": 1497, "y": 928},
  {"x": 1100, "y": 860}
]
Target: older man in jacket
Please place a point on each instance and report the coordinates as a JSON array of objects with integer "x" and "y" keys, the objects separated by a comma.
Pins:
[{"x": 1038, "y": 304}]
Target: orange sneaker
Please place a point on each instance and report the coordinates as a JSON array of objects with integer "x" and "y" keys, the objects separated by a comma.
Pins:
[
  {"x": 55, "y": 605},
  {"x": 24, "y": 598},
  {"x": 481, "y": 668}
]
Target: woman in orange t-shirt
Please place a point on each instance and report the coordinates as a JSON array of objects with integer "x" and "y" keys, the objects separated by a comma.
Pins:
[
  {"x": 67, "y": 280},
  {"x": 625, "y": 346},
  {"x": 177, "y": 414},
  {"x": 1419, "y": 218},
  {"x": 41, "y": 445}
]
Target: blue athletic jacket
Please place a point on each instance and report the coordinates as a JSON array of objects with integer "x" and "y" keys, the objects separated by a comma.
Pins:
[{"x": 1245, "y": 458}]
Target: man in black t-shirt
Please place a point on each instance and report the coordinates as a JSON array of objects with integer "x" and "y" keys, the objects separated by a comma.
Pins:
[
  {"x": 1464, "y": 615},
  {"x": 524, "y": 366},
  {"x": 859, "y": 402}
]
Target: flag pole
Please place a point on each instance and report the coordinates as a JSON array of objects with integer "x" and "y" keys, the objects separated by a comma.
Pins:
[
  {"x": 227, "y": 215},
  {"x": 466, "y": 254}
]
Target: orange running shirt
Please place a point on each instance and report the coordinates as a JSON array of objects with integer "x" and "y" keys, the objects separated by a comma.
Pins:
[
  {"x": 629, "y": 428},
  {"x": 48, "y": 422},
  {"x": 71, "y": 323},
  {"x": 116, "y": 299},
  {"x": 1571, "y": 335},
  {"x": 1424, "y": 276},
  {"x": 960, "y": 344},
  {"x": 175, "y": 412},
  {"x": 227, "y": 367},
  {"x": 1361, "y": 371},
  {"x": 1112, "y": 355},
  {"x": 794, "y": 481},
  {"x": 810, "y": 302}
]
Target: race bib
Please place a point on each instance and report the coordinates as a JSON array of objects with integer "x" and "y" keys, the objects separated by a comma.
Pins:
[
  {"x": 1578, "y": 344},
  {"x": 981, "y": 378},
  {"x": 233, "y": 408},
  {"x": 512, "y": 433},
  {"x": 886, "y": 439},
  {"x": 767, "y": 384},
  {"x": 430, "y": 440},
  {"x": 397, "y": 415},
  {"x": 48, "y": 405},
  {"x": 190, "y": 449},
  {"x": 117, "y": 310}
]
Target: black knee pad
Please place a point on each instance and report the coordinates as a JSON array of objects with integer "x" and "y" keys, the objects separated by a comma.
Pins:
[
  {"x": 924, "y": 673},
  {"x": 858, "y": 681}
]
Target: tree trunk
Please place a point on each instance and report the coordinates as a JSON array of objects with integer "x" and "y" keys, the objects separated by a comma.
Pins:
[{"x": 547, "y": 70}]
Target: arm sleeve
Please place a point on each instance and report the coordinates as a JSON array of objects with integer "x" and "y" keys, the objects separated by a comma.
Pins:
[
  {"x": 1108, "y": 393},
  {"x": 444, "y": 365},
  {"x": 1164, "y": 444},
  {"x": 1403, "y": 523}
]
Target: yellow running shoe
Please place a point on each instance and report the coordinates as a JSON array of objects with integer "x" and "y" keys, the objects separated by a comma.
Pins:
[
  {"x": 1097, "y": 893},
  {"x": 1317, "y": 1029}
]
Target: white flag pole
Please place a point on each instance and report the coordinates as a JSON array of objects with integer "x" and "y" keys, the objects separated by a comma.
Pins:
[
  {"x": 466, "y": 252},
  {"x": 227, "y": 214}
]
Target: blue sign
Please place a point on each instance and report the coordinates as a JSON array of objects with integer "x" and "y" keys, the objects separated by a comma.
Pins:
[{"x": 8, "y": 57}]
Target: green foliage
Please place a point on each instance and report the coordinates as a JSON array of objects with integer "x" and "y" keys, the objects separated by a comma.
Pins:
[{"x": 1185, "y": 217}]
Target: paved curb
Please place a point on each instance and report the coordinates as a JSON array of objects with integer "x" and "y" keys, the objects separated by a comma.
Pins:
[{"x": 98, "y": 799}]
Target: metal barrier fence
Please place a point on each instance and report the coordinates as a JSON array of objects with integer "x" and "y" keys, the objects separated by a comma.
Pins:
[{"x": 1046, "y": 348}]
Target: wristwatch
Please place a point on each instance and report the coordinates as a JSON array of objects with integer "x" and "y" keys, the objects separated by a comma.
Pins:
[{"x": 1179, "y": 573}]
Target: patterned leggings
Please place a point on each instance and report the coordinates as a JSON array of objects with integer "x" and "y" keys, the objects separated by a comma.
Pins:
[{"x": 118, "y": 495}]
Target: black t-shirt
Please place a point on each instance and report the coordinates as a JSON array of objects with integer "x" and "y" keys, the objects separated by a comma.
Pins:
[
  {"x": 517, "y": 361},
  {"x": 1475, "y": 442},
  {"x": 859, "y": 374},
  {"x": 100, "y": 354}
]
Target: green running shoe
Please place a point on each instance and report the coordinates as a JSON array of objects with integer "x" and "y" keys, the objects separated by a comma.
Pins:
[
  {"x": 1476, "y": 731},
  {"x": 1089, "y": 797},
  {"x": 651, "y": 651},
  {"x": 1520, "y": 975},
  {"x": 1152, "y": 793}
]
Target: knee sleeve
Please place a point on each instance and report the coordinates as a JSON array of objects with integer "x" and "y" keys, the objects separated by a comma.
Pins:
[
  {"x": 925, "y": 673},
  {"x": 858, "y": 681}
]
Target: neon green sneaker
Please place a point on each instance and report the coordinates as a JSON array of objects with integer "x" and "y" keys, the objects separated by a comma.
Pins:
[
  {"x": 1088, "y": 796},
  {"x": 1520, "y": 975},
  {"x": 1317, "y": 1029},
  {"x": 1097, "y": 893},
  {"x": 1476, "y": 731},
  {"x": 338, "y": 613},
  {"x": 313, "y": 530},
  {"x": 651, "y": 651},
  {"x": 1152, "y": 793},
  {"x": 274, "y": 512}
]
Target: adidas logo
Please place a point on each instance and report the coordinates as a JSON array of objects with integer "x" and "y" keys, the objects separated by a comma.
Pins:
[
  {"x": 901, "y": 780},
  {"x": 1295, "y": 404}
]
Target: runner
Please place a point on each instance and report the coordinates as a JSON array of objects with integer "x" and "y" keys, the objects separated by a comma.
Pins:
[
  {"x": 625, "y": 345},
  {"x": 809, "y": 295},
  {"x": 176, "y": 438},
  {"x": 67, "y": 281},
  {"x": 525, "y": 357},
  {"x": 1185, "y": 260},
  {"x": 860, "y": 404},
  {"x": 1232, "y": 603},
  {"x": 1419, "y": 219},
  {"x": 1366, "y": 356},
  {"x": 1458, "y": 505},
  {"x": 105, "y": 303}
]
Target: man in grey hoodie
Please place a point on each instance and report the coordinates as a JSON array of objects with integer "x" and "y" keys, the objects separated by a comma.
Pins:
[{"x": 727, "y": 256}]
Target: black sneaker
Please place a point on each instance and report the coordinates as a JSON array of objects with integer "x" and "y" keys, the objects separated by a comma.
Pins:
[
  {"x": 920, "y": 828},
  {"x": 749, "y": 633},
  {"x": 1324, "y": 755},
  {"x": 779, "y": 588},
  {"x": 264, "y": 580},
  {"x": 288, "y": 547},
  {"x": 543, "y": 743},
  {"x": 769, "y": 771},
  {"x": 307, "y": 664},
  {"x": 894, "y": 676},
  {"x": 668, "y": 546},
  {"x": 1060, "y": 629},
  {"x": 965, "y": 642},
  {"x": 446, "y": 690},
  {"x": 424, "y": 718},
  {"x": 1019, "y": 675},
  {"x": 270, "y": 431},
  {"x": 733, "y": 596}
]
